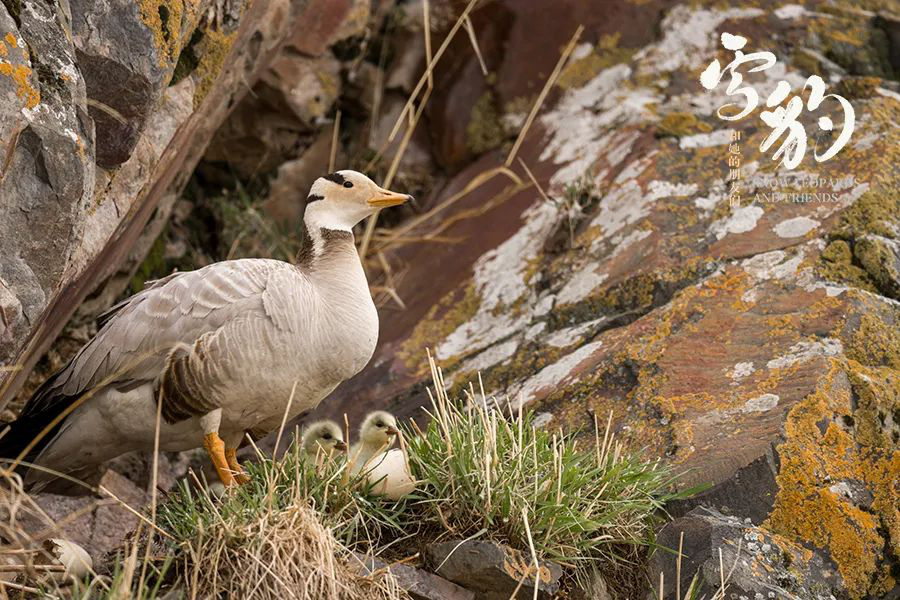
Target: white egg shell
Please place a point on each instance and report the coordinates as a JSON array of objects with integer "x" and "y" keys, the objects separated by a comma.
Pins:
[
  {"x": 73, "y": 557},
  {"x": 391, "y": 472}
]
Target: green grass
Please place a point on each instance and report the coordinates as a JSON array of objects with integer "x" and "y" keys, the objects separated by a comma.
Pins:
[{"x": 578, "y": 503}]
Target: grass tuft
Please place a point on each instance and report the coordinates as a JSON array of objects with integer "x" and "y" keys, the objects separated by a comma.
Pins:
[{"x": 579, "y": 504}]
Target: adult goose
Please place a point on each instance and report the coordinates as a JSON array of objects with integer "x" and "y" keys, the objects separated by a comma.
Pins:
[{"x": 224, "y": 349}]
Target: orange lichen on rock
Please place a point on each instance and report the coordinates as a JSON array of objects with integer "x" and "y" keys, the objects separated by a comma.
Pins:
[
  {"x": 826, "y": 475},
  {"x": 20, "y": 75}
]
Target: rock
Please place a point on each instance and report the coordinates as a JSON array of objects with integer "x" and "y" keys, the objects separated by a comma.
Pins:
[
  {"x": 46, "y": 169},
  {"x": 97, "y": 525},
  {"x": 124, "y": 83},
  {"x": 880, "y": 257},
  {"x": 762, "y": 563},
  {"x": 308, "y": 86},
  {"x": 492, "y": 570},
  {"x": 419, "y": 584},
  {"x": 287, "y": 191},
  {"x": 324, "y": 22}
]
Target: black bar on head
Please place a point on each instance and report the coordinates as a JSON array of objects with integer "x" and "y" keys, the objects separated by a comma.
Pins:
[
  {"x": 314, "y": 197},
  {"x": 336, "y": 177}
]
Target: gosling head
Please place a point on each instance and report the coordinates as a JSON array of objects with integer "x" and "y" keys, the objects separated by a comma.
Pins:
[
  {"x": 323, "y": 437},
  {"x": 379, "y": 428},
  {"x": 342, "y": 199}
]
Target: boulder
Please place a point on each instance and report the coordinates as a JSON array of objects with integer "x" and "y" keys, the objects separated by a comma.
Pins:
[
  {"x": 419, "y": 584},
  {"x": 754, "y": 562},
  {"x": 494, "y": 571}
]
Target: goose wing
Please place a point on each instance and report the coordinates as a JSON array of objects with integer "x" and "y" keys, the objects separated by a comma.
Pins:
[{"x": 186, "y": 312}]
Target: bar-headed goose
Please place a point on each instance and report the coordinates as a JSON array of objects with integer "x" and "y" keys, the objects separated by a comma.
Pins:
[
  {"x": 384, "y": 467},
  {"x": 227, "y": 348}
]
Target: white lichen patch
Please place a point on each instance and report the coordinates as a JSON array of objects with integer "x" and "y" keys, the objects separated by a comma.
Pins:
[
  {"x": 762, "y": 403},
  {"x": 796, "y": 227},
  {"x": 888, "y": 93},
  {"x": 742, "y": 220},
  {"x": 542, "y": 419},
  {"x": 551, "y": 376},
  {"x": 689, "y": 39},
  {"x": 772, "y": 265},
  {"x": 490, "y": 357},
  {"x": 741, "y": 371},
  {"x": 583, "y": 123},
  {"x": 570, "y": 335},
  {"x": 790, "y": 11},
  {"x": 664, "y": 189},
  {"x": 719, "y": 137},
  {"x": 499, "y": 280},
  {"x": 805, "y": 351},
  {"x": 581, "y": 284}
]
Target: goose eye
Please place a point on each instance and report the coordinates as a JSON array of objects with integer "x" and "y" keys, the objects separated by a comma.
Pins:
[
  {"x": 348, "y": 184},
  {"x": 326, "y": 436},
  {"x": 379, "y": 424}
]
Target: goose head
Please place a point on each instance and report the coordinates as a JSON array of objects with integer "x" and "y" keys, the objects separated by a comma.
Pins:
[
  {"x": 378, "y": 429},
  {"x": 323, "y": 437},
  {"x": 342, "y": 199}
]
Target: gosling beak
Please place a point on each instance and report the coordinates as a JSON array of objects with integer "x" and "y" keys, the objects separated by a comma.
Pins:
[
  {"x": 385, "y": 198},
  {"x": 392, "y": 430},
  {"x": 340, "y": 446}
]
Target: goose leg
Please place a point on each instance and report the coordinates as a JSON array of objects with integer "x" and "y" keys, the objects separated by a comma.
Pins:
[
  {"x": 239, "y": 475},
  {"x": 215, "y": 447}
]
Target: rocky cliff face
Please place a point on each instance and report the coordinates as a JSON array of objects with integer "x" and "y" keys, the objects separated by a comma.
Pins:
[{"x": 755, "y": 345}]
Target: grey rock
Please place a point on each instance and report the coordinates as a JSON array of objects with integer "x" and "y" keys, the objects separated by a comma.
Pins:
[
  {"x": 774, "y": 565},
  {"x": 127, "y": 52},
  {"x": 880, "y": 257},
  {"x": 419, "y": 584},
  {"x": 493, "y": 570},
  {"x": 46, "y": 164}
]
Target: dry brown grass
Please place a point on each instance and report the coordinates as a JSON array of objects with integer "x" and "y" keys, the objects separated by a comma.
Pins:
[{"x": 286, "y": 553}]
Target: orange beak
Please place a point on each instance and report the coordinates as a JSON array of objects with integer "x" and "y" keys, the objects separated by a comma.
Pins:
[{"x": 385, "y": 198}]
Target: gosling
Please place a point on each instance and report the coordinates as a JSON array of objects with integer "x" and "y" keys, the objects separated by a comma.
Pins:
[
  {"x": 323, "y": 439},
  {"x": 386, "y": 469}
]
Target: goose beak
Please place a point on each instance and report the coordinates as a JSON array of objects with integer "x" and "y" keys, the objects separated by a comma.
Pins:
[
  {"x": 392, "y": 430},
  {"x": 385, "y": 198},
  {"x": 340, "y": 446}
]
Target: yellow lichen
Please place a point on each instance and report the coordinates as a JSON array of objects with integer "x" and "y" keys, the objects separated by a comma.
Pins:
[
  {"x": 607, "y": 53},
  {"x": 822, "y": 457},
  {"x": 876, "y": 342},
  {"x": 484, "y": 130},
  {"x": 679, "y": 124},
  {"x": 163, "y": 18},
  {"x": 213, "y": 51},
  {"x": 24, "y": 90}
]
